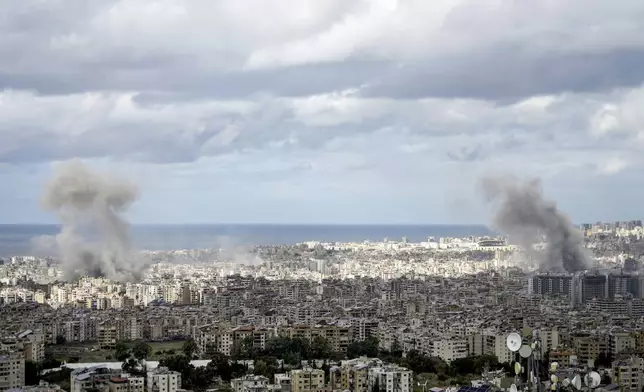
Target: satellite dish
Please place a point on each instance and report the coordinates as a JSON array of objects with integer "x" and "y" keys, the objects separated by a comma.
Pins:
[
  {"x": 576, "y": 382},
  {"x": 513, "y": 388},
  {"x": 517, "y": 368},
  {"x": 554, "y": 366},
  {"x": 593, "y": 379},
  {"x": 554, "y": 378},
  {"x": 525, "y": 351},
  {"x": 513, "y": 342},
  {"x": 565, "y": 382}
]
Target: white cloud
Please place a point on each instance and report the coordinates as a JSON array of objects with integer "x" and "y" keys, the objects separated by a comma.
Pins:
[{"x": 612, "y": 166}]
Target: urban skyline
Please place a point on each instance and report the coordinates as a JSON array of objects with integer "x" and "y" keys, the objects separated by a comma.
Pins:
[{"x": 321, "y": 196}]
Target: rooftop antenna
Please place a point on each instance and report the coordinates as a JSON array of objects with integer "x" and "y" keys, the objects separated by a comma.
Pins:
[
  {"x": 528, "y": 349},
  {"x": 513, "y": 341},
  {"x": 592, "y": 380}
]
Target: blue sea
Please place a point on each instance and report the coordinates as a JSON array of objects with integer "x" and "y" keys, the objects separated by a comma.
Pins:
[{"x": 17, "y": 239}]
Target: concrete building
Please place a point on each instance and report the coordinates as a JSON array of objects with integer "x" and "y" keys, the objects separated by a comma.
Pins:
[
  {"x": 620, "y": 341},
  {"x": 365, "y": 374},
  {"x": 450, "y": 349},
  {"x": 163, "y": 380},
  {"x": 125, "y": 383},
  {"x": 552, "y": 285},
  {"x": 283, "y": 380},
  {"x": 93, "y": 377},
  {"x": 108, "y": 334},
  {"x": 629, "y": 374},
  {"x": 12, "y": 369},
  {"x": 250, "y": 383},
  {"x": 391, "y": 378},
  {"x": 307, "y": 379}
]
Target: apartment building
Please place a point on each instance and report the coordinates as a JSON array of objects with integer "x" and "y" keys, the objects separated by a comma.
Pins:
[
  {"x": 108, "y": 334},
  {"x": 124, "y": 383},
  {"x": 93, "y": 377},
  {"x": 338, "y": 337},
  {"x": 391, "y": 378},
  {"x": 620, "y": 341},
  {"x": 307, "y": 379},
  {"x": 162, "y": 379},
  {"x": 222, "y": 337},
  {"x": 28, "y": 342},
  {"x": 365, "y": 374},
  {"x": 12, "y": 370},
  {"x": 475, "y": 344},
  {"x": 588, "y": 346},
  {"x": 249, "y": 383},
  {"x": 450, "y": 349},
  {"x": 629, "y": 374},
  {"x": 361, "y": 329},
  {"x": 496, "y": 344},
  {"x": 283, "y": 380}
]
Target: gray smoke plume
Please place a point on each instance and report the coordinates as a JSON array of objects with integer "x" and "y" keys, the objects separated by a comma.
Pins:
[
  {"x": 527, "y": 218},
  {"x": 94, "y": 239}
]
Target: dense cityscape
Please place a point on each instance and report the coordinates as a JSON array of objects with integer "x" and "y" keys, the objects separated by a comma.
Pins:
[
  {"x": 321, "y": 196},
  {"x": 390, "y": 315}
]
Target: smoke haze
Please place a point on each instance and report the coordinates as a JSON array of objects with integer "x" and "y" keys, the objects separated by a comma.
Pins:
[
  {"x": 526, "y": 217},
  {"x": 95, "y": 238},
  {"x": 229, "y": 250}
]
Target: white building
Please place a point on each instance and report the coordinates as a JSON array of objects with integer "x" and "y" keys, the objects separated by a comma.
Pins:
[
  {"x": 391, "y": 378},
  {"x": 163, "y": 380},
  {"x": 450, "y": 349},
  {"x": 249, "y": 383},
  {"x": 12, "y": 369},
  {"x": 629, "y": 374}
]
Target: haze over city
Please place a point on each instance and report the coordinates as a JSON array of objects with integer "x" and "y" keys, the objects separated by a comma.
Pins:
[{"x": 321, "y": 196}]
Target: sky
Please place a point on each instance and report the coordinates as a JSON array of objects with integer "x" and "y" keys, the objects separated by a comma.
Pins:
[{"x": 325, "y": 111}]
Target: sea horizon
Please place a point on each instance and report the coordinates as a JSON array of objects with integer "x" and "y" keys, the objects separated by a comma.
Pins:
[{"x": 17, "y": 239}]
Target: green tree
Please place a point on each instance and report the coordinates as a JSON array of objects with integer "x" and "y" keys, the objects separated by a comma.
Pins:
[
  {"x": 320, "y": 348},
  {"x": 202, "y": 377},
  {"x": 396, "y": 349},
  {"x": 367, "y": 347},
  {"x": 190, "y": 348},
  {"x": 50, "y": 362},
  {"x": 133, "y": 366},
  {"x": 60, "y": 339},
  {"x": 238, "y": 369},
  {"x": 248, "y": 348},
  {"x": 32, "y": 373},
  {"x": 121, "y": 351},
  {"x": 220, "y": 366},
  {"x": 181, "y": 364},
  {"x": 266, "y": 366},
  {"x": 292, "y": 359},
  {"x": 141, "y": 350}
]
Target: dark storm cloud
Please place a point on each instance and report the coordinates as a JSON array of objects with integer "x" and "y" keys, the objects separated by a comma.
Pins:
[
  {"x": 187, "y": 81},
  {"x": 512, "y": 73},
  {"x": 72, "y": 42}
]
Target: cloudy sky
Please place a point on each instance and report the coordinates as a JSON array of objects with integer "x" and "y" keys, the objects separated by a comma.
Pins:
[{"x": 325, "y": 111}]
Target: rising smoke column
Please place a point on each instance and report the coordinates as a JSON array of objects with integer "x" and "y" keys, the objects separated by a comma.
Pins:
[
  {"x": 526, "y": 217},
  {"x": 94, "y": 239}
]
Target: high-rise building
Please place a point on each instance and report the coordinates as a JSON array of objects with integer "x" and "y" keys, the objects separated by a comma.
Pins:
[
  {"x": 12, "y": 369},
  {"x": 552, "y": 285},
  {"x": 629, "y": 374}
]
